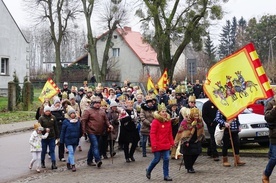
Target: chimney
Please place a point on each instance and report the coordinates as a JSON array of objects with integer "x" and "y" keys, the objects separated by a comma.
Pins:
[{"x": 127, "y": 28}]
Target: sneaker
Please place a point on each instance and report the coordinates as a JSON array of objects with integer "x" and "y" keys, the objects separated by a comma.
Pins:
[
  {"x": 38, "y": 170},
  {"x": 99, "y": 164},
  {"x": 91, "y": 163},
  {"x": 63, "y": 159},
  {"x": 49, "y": 156},
  {"x": 30, "y": 166},
  {"x": 147, "y": 174}
]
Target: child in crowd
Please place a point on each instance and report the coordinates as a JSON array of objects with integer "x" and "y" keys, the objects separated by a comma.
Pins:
[
  {"x": 70, "y": 135},
  {"x": 35, "y": 142}
]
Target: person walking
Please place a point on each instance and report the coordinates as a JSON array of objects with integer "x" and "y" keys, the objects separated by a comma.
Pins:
[
  {"x": 47, "y": 120},
  {"x": 270, "y": 117},
  {"x": 234, "y": 125},
  {"x": 209, "y": 111},
  {"x": 35, "y": 142},
  {"x": 128, "y": 131},
  {"x": 161, "y": 141},
  {"x": 70, "y": 135},
  {"x": 146, "y": 116},
  {"x": 93, "y": 122},
  {"x": 190, "y": 134}
]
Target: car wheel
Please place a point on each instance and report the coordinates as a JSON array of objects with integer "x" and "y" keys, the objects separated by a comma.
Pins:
[{"x": 263, "y": 144}]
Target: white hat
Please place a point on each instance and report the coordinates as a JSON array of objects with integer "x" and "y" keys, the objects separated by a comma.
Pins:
[
  {"x": 65, "y": 83},
  {"x": 47, "y": 108},
  {"x": 113, "y": 104},
  {"x": 70, "y": 111},
  {"x": 71, "y": 96}
]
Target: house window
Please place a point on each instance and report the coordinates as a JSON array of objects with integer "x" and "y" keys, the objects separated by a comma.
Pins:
[
  {"x": 115, "y": 52},
  {"x": 4, "y": 66}
]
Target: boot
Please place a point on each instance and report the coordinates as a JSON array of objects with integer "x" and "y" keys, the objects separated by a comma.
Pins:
[
  {"x": 74, "y": 168},
  {"x": 265, "y": 179},
  {"x": 238, "y": 161},
  {"x": 54, "y": 165},
  {"x": 43, "y": 164},
  {"x": 225, "y": 161},
  {"x": 69, "y": 166}
]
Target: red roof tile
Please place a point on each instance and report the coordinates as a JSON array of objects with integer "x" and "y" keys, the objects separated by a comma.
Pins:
[{"x": 143, "y": 50}]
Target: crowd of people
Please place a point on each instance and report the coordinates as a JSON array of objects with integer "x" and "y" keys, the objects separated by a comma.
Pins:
[{"x": 168, "y": 122}]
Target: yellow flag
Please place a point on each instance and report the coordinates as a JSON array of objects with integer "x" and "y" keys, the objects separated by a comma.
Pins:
[
  {"x": 163, "y": 81},
  {"x": 150, "y": 85},
  {"x": 237, "y": 81},
  {"x": 49, "y": 90}
]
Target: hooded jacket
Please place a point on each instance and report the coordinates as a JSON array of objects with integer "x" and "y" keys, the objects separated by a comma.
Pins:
[
  {"x": 161, "y": 133},
  {"x": 146, "y": 116}
]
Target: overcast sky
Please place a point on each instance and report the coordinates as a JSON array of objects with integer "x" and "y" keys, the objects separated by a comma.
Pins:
[{"x": 237, "y": 8}]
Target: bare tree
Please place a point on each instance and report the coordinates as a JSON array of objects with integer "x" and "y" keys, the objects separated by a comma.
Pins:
[
  {"x": 114, "y": 14},
  {"x": 58, "y": 14}
]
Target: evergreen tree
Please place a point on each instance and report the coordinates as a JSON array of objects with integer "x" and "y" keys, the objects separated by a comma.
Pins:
[
  {"x": 210, "y": 51},
  {"x": 225, "y": 41}
]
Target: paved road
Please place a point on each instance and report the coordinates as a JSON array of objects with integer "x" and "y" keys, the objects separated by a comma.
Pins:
[{"x": 15, "y": 157}]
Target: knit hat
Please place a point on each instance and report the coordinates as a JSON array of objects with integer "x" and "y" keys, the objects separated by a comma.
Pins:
[
  {"x": 47, "y": 108},
  {"x": 56, "y": 101},
  {"x": 70, "y": 111},
  {"x": 113, "y": 104}
]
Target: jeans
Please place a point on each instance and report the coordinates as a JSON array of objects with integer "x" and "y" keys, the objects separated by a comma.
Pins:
[
  {"x": 272, "y": 160},
  {"x": 94, "y": 148},
  {"x": 51, "y": 143},
  {"x": 157, "y": 156},
  {"x": 71, "y": 152},
  {"x": 144, "y": 143}
]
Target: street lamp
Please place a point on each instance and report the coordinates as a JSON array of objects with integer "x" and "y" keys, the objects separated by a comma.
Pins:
[{"x": 270, "y": 54}]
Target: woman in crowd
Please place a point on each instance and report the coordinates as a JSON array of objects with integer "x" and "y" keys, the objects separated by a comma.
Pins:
[
  {"x": 232, "y": 126},
  {"x": 190, "y": 134},
  {"x": 161, "y": 141},
  {"x": 128, "y": 131}
]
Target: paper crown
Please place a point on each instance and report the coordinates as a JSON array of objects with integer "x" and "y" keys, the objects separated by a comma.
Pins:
[
  {"x": 192, "y": 98},
  {"x": 161, "y": 107},
  {"x": 121, "y": 97},
  {"x": 178, "y": 89},
  {"x": 89, "y": 90},
  {"x": 99, "y": 87},
  {"x": 172, "y": 102},
  {"x": 139, "y": 91},
  {"x": 148, "y": 98},
  {"x": 74, "y": 88},
  {"x": 71, "y": 96},
  {"x": 64, "y": 95},
  {"x": 194, "y": 111},
  {"x": 96, "y": 99},
  {"x": 104, "y": 103}
]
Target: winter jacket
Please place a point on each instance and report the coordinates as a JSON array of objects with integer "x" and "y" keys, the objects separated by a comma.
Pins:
[
  {"x": 70, "y": 132},
  {"x": 146, "y": 116},
  {"x": 94, "y": 121},
  {"x": 35, "y": 141},
  {"x": 270, "y": 117},
  {"x": 161, "y": 133},
  {"x": 51, "y": 123},
  {"x": 114, "y": 121},
  {"x": 128, "y": 131},
  {"x": 209, "y": 111}
]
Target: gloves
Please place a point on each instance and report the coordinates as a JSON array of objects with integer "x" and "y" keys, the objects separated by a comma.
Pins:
[{"x": 194, "y": 123}]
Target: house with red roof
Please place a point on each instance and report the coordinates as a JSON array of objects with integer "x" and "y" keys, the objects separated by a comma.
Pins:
[{"x": 129, "y": 57}]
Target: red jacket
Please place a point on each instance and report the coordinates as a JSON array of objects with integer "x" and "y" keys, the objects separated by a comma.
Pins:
[{"x": 161, "y": 134}]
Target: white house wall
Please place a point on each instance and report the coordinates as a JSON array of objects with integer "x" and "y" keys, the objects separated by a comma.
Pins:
[
  {"x": 12, "y": 46},
  {"x": 128, "y": 63}
]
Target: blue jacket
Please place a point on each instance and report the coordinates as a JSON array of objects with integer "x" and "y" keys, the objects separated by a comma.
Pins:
[{"x": 70, "y": 132}]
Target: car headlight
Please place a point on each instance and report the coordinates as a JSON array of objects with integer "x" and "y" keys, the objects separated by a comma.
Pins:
[{"x": 244, "y": 126}]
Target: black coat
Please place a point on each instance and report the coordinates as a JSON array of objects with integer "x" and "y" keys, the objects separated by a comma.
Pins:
[{"x": 128, "y": 131}]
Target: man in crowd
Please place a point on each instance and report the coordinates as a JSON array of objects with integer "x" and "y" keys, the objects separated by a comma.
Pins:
[{"x": 94, "y": 120}]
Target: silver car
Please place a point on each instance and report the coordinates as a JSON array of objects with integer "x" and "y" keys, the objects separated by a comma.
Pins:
[{"x": 253, "y": 126}]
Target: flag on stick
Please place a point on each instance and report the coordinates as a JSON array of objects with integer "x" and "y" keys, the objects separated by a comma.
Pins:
[
  {"x": 237, "y": 81},
  {"x": 150, "y": 85},
  {"x": 49, "y": 90},
  {"x": 163, "y": 81}
]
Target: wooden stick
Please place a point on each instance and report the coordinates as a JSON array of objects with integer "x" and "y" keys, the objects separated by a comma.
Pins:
[{"x": 233, "y": 148}]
